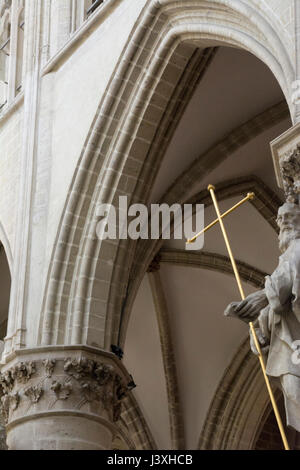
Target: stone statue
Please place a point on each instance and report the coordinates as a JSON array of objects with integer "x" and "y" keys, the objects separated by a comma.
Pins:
[{"x": 276, "y": 313}]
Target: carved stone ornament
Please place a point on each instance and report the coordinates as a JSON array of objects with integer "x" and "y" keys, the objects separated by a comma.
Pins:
[
  {"x": 49, "y": 366},
  {"x": 98, "y": 382},
  {"x": 6, "y": 382},
  {"x": 23, "y": 371},
  {"x": 71, "y": 383},
  {"x": 34, "y": 393},
  {"x": 61, "y": 390},
  {"x": 290, "y": 169},
  {"x": 9, "y": 402},
  {"x": 79, "y": 368}
]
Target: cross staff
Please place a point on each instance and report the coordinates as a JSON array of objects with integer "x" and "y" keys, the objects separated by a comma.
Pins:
[{"x": 219, "y": 220}]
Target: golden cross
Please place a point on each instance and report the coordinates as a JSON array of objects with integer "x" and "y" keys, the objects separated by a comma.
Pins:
[{"x": 219, "y": 220}]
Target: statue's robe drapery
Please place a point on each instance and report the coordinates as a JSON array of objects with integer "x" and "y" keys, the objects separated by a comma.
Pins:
[{"x": 280, "y": 324}]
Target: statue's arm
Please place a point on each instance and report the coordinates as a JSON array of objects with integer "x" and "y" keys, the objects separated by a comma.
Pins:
[{"x": 249, "y": 309}]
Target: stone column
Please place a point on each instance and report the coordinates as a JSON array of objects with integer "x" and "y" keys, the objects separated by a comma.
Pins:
[{"x": 62, "y": 398}]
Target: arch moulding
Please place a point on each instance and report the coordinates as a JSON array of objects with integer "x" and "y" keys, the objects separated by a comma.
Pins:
[{"x": 87, "y": 279}]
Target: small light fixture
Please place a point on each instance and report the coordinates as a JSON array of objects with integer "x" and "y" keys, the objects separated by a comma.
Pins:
[{"x": 117, "y": 351}]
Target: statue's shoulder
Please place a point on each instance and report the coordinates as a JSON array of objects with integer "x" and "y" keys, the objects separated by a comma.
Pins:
[
  {"x": 293, "y": 252},
  {"x": 295, "y": 247}
]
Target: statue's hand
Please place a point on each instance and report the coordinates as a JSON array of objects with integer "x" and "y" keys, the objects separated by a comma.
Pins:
[
  {"x": 263, "y": 342},
  {"x": 248, "y": 310}
]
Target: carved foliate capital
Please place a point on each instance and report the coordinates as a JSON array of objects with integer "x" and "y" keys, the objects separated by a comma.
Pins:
[
  {"x": 73, "y": 383},
  {"x": 34, "y": 393}
]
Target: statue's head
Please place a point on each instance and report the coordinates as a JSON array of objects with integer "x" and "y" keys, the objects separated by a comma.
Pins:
[{"x": 288, "y": 221}]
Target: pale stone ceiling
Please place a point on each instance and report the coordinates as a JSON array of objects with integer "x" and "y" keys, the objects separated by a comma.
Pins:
[{"x": 236, "y": 88}]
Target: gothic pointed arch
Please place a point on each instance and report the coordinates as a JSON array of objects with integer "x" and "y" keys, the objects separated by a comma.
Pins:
[{"x": 88, "y": 278}]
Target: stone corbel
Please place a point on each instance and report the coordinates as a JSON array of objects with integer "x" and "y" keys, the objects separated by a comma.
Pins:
[{"x": 286, "y": 157}]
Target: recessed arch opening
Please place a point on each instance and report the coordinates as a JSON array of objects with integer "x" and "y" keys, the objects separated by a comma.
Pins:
[
  {"x": 145, "y": 103},
  {"x": 234, "y": 154}
]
